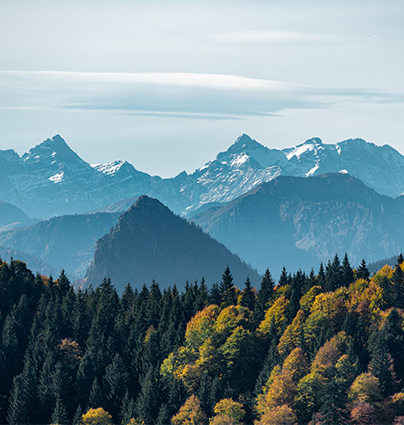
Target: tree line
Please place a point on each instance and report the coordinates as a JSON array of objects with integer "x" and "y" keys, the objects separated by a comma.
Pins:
[{"x": 323, "y": 348}]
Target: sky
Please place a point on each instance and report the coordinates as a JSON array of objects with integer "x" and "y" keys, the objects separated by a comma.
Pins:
[{"x": 166, "y": 85}]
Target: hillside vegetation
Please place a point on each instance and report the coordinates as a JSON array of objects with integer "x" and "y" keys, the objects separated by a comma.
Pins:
[{"x": 318, "y": 349}]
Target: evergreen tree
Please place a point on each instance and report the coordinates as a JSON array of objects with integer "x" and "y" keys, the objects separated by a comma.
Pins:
[
  {"x": 116, "y": 380},
  {"x": 147, "y": 403},
  {"x": 334, "y": 275},
  {"x": 96, "y": 398},
  {"x": 397, "y": 280},
  {"x": 248, "y": 295},
  {"x": 227, "y": 289},
  {"x": 23, "y": 406},
  {"x": 363, "y": 271},
  {"x": 321, "y": 276},
  {"x": 264, "y": 295},
  {"x": 77, "y": 415},
  {"x": 382, "y": 364},
  {"x": 128, "y": 409},
  {"x": 348, "y": 275},
  {"x": 59, "y": 415},
  {"x": 284, "y": 278},
  {"x": 214, "y": 296}
]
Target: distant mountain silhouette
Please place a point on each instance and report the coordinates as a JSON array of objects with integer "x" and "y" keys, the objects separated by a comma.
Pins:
[
  {"x": 12, "y": 217},
  {"x": 65, "y": 242},
  {"x": 298, "y": 222},
  {"x": 150, "y": 242}
]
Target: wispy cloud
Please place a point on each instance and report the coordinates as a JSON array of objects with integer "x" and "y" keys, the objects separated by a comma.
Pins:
[
  {"x": 206, "y": 96},
  {"x": 256, "y": 36}
]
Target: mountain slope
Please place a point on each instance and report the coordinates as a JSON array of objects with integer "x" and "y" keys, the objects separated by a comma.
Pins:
[
  {"x": 65, "y": 242},
  {"x": 298, "y": 222},
  {"x": 12, "y": 217},
  {"x": 150, "y": 242}
]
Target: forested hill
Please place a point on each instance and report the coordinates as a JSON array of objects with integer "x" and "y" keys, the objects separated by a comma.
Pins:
[
  {"x": 150, "y": 242},
  {"x": 318, "y": 349}
]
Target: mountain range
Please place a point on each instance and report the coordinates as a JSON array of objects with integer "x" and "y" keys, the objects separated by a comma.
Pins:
[
  {"x": 297, "y": 222},
  {"x": 242, "y": 198},
  {"x": 51, "y": 179}
]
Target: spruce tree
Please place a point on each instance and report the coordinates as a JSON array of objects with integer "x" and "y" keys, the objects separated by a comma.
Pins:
[
  {"x": 116, "y": 380},
  {"x": 227, "y": 289},
  {"x": 397, "y": 280},
  {"x": 264, "y": 295},
  {"x": 248, "y": 295},
  {"x": 348, "y": 275},
  {"x": 363, "y": 271},
  {"x": 59, "y": 415}
]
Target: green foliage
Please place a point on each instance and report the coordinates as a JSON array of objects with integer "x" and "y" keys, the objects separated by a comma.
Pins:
[{"x": 325, "y": 348}]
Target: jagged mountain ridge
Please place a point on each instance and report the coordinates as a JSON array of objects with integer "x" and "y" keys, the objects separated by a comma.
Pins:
[
  {"x": 51, "y": 179},
  {"x": 150, "y": 242},
  {"x": 298, "y": 222}
]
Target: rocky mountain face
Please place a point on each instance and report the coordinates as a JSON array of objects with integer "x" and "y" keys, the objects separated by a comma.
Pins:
[
  {"x": 298, "y": 222},
  {"x": 65, "y": 242},
  {"x": 53, "y": 180},
  {"x": 150, "y": 242}
]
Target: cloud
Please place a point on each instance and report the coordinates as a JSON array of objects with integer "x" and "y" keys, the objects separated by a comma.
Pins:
[
  {"x": 256, "y": 36},
  {"x": 207, "y": 96}
]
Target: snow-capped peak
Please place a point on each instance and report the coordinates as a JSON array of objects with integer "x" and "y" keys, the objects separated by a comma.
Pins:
[
  {"x": 109, "y": 168},
  {"x": 308, "y": 146}
]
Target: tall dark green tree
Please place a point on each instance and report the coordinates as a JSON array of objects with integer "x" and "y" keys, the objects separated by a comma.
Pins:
[
  {"x": 363, "y": 271},
  {"x": 348, "y": 275},
  {"x": 227, "y": 289},
  {"x": 248, "y": 295},
  {"x": 264, "y": 295}
]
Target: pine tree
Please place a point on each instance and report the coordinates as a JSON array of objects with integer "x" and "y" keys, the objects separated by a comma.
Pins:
[
  {"x": 363, "y": 271},
  {"x": 148, "y": 400},
  {"x": 321, "y": 276},
  {"x": 116, "y": 380},
  {"x": 264, "y": 295},
  {"x": 348, "y": 275},
  {"x": 284, "y": 278},
  {"x": 382, "y": 364},
  {"x": 248, "y": 295},
  {"x": 397, "y": 280},
  {"x": 334, "y": 275},
  {"x": 77, "y": 415},
  {"x": 59, "y": 415},
  {"x": 128, "y": 409},
  {"x": 96, "y": 398},
  {"x": 23, "y": 406},
  {"x": 227, "y": 289}
]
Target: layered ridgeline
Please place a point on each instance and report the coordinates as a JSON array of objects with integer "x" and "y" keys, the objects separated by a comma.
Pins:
[
  {"x": 298, "y": 222},
  {"x": 65, "y": 242},
  {"x": 150, "y": 242},
  {"x": 51, "y": 179},
  {"x": 291, "y": 221}
]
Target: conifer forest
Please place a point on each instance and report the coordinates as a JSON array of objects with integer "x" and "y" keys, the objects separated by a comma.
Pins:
[{"x": 325, "y": 348}]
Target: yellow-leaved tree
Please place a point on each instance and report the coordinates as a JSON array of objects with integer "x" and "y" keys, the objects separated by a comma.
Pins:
[
  {"x": 190, "y": 413},
  {"x": 96, "y": 417},
  {"x": 228, "y": 412}
]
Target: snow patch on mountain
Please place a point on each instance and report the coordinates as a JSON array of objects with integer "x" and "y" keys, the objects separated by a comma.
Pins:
[
  {"x": 57, "y": 178},
  {"x": 110, "y": 168}
]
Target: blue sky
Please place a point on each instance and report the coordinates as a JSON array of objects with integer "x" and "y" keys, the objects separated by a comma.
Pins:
[{"x": 168, "y": 84}]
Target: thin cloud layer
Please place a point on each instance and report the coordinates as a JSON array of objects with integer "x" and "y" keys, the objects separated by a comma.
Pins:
[{"x": 182, "y": 95}]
